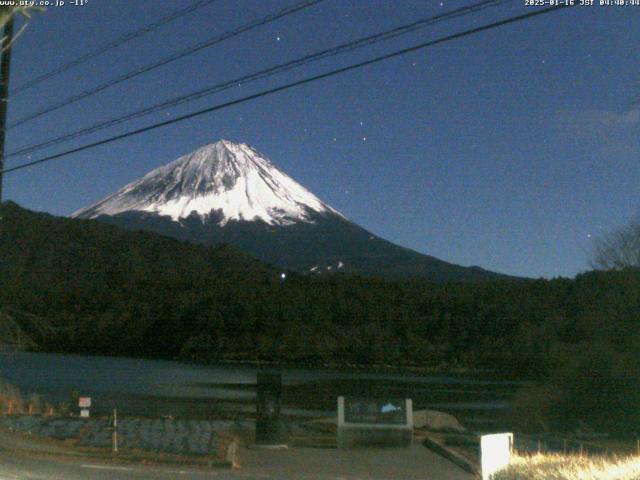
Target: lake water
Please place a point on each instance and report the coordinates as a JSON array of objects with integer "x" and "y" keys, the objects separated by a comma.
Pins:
[{"x": 157, "y": 387}]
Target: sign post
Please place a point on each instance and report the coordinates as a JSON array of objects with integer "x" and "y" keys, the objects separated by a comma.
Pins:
[{"x": 85, "y": 404}]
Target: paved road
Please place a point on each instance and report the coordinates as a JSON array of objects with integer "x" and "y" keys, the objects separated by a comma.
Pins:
[
  {"x": 415, "y": 463},
  {"x": 296, "y": 463},
  {"x": 19, "y": 467}
]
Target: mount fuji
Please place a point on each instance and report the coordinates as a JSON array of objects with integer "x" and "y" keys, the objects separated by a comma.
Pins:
[{"x": 228, "y": 192}]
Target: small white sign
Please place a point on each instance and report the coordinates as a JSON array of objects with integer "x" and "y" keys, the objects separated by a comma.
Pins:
[
  {"x": 495, "y": 453},
  {"x": 84, "y": 402},
  {"x": 84, "y": 413}
]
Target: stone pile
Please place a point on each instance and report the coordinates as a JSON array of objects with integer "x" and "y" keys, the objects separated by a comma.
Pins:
[{"x": 187, "y": 437}]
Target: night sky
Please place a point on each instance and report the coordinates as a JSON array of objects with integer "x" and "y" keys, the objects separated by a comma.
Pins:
[{"x": 510, "y": 149}]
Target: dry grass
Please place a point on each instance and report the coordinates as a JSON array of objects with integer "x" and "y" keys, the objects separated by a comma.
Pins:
[
  {"x": 571, "y": 467},
  {"x": 12, "y": 402}
]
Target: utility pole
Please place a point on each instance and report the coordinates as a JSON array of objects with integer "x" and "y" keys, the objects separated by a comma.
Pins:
[{"x": 5, "y": 66}]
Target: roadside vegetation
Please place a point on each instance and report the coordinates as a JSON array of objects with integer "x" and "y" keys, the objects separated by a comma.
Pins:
[
  {"x": 13, "y": 402},
  {"x": 570, "y": 467}
]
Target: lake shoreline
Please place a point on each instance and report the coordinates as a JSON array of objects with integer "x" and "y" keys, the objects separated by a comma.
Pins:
[{"x": 337, "y": 367}]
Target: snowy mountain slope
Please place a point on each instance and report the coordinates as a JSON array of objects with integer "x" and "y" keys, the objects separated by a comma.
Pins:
[
  {"x": 229, "y": 193},
  {"x": 233, "y": 180}
]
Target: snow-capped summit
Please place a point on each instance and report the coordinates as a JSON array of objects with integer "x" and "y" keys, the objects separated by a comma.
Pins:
[
  {"x": 231, "y": 181},
  {"x": 228, "y": 193}
]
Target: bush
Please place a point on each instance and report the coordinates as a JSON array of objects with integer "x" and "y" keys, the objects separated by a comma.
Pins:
[
  {"x": 570, "y": 467},
  {"x": 593, "y": 383},
  {"x": 11, "y": 400}
]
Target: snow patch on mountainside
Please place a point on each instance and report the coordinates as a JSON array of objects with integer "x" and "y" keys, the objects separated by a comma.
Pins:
[{"x": 230, "y": 179}]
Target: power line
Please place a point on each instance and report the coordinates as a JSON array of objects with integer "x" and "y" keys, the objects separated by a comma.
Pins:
[
  {"x": 114, "y": 44},
  {"x": 171, "y": 58},
  {"x": 349, "y": 46},
  {"x": 288, "y": 86},
  {"x": 316, "y": 56}
]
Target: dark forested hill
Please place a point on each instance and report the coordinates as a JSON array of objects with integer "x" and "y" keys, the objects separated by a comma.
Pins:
[{"x": 113, "y": 291}]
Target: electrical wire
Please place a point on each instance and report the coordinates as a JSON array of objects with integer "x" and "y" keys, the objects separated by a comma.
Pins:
[
  {"x": 171, "y": 58},
  {"x": 397, "y": 53},
  {"x": 110, "y": 46},
  {"x": 316, "y": 56}
]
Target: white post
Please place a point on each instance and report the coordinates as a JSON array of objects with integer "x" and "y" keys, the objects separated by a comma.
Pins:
[
  {"x": 232, "y": 452},
  {"x": 495, "y": 453},
  {"x": 114, "y": 437}
]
